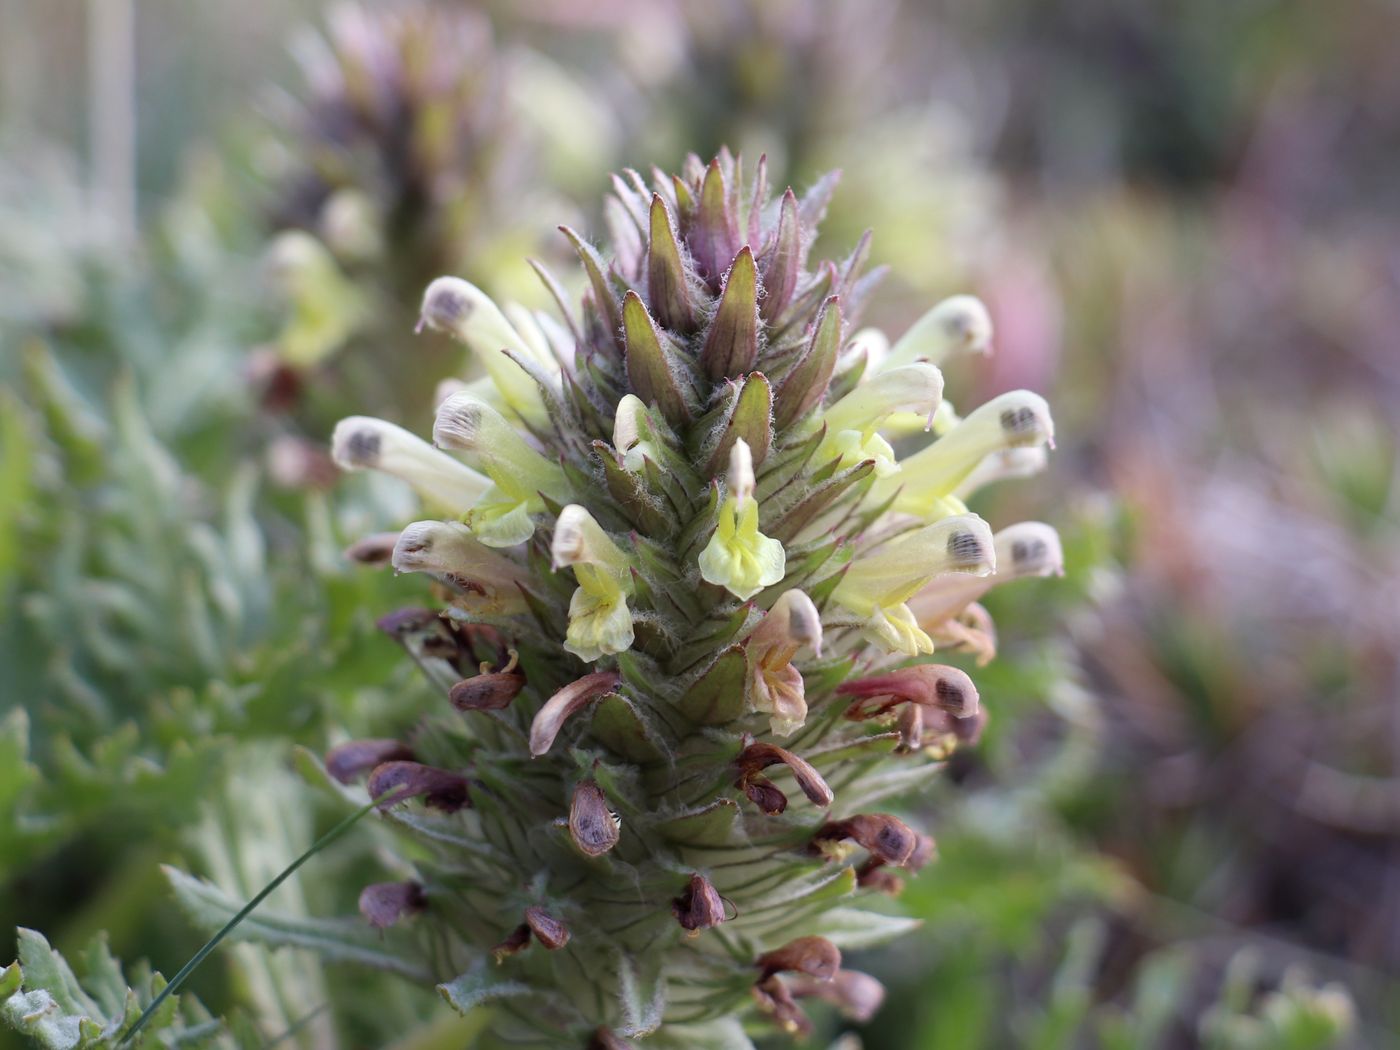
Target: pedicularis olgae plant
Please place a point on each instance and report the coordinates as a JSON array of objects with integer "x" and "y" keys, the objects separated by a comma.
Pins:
[{"x": 686, "y": 589}]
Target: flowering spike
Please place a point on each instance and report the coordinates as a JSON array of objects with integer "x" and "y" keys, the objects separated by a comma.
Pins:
[
  {"x": 957, "y": 324},
  {"x": 738, "y": 557},
  {"x": 365, "y": 443},
  {"x": 668, "y": 289},
  {"x": 708, "y": 404},
  {"x": 731, "y": 343}
]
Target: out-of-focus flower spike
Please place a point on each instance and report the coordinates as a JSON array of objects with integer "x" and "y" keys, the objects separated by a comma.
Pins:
[
  {"x": 365, "y": 443},
  {"x": 600, "y": 621},
  {"x": 774, "y": 686},
  {"x": 878, "y": 583},
  {"x": 738, "y": 557},
  {"x": 490, "y": 581},
  {"x": 1003, "y": 466},
  {"x": 1019, "y": 419},
  {"x": 462, "y": 310},
  {"x": 957, "y": 324},
  {"x": 852, "y": 424}
]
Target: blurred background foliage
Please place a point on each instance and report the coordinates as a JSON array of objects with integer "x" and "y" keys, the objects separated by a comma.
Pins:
[{"x": 1182, "y": 827}]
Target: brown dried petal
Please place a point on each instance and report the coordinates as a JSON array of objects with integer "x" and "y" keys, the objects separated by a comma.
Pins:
[
  {"x": 700, "y": 906},
  {"x": 815, "y": 956},
  {"x": 762, "y": 755},
  {"x": 486, "y": 692},
  {"x": 550, "y": 932},
  {"x": 402, "y": 622},
  {"x": 764, "y": 794},
  {"x": 886, "y": 837},
  {"x": 516, "y": 941},
  {"x": 565, "y": 703},
  {"x": 911, "y": 727},
  {"x": 385, "y": 903},
  {"x": 354, "y": 758},
  {"x": 440, "y": 788},
  {"x": 592, "y": 825},
  {"x": 925, "y": 849}
]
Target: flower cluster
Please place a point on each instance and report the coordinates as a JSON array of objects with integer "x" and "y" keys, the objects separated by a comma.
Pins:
[{"x": 695, "y": 533}]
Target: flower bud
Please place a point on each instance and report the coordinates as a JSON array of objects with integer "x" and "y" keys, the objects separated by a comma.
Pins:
[
  {"x": 385, "y": 903},
  {"x": 398, "y": 781},
  {"x": 959, "y": 324},
  {"x": 486, "y": 692},
  {"x": 1029, "y": 548},
  {"x": 364, "y": 443},
  {"x": 766, "y": 795},
  {"x": 700, "y": 907},
  {"x": 628, "y": 421},
  {"x": 354, "y": 758},
  {"x": 593, "y": 826},
  {"x": 773, "y": 997}
]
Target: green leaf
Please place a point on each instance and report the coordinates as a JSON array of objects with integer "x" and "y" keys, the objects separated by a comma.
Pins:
[
  {"x": 621, "y": 728},
  {"x": 710, "y": 825},
  {"x": 667, "y": 285},
  {"x": 655, "y": 371},
  {"x": 731, "y": 343},
  {"x": 718, "y": 695},
  {"x": 805, "y": 384}
]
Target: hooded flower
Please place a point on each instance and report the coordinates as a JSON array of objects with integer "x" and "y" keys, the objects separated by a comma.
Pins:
[
  {"x": 738, "y": 557},
  {"x": 775, "y": 687},
  {"x": 599, "y": 620}
]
